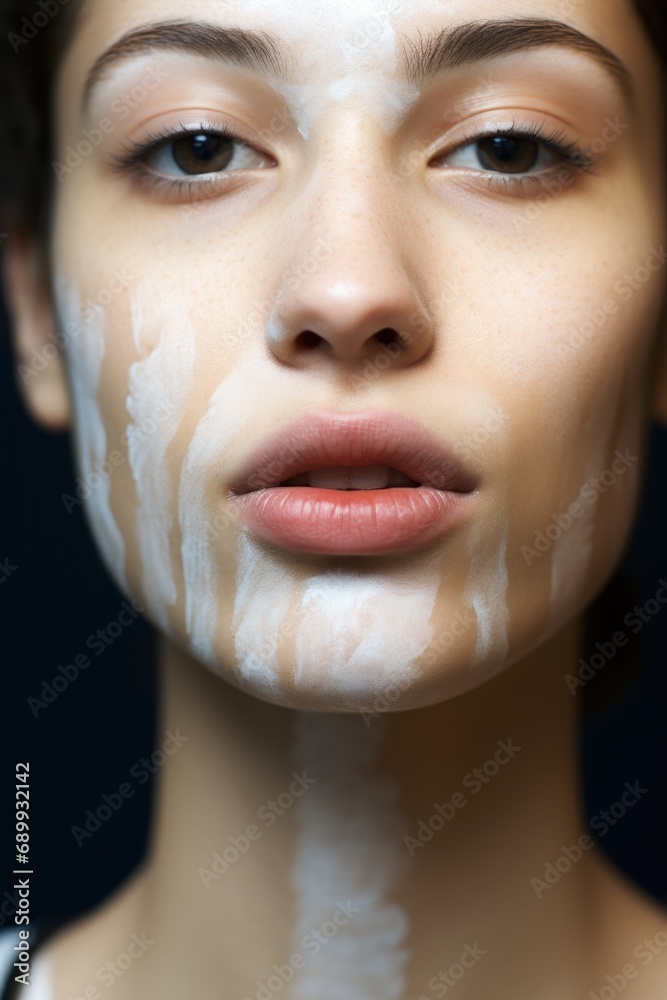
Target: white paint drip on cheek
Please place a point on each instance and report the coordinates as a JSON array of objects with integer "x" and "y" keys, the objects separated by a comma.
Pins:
[
  {"x": 226, "y": 416},
  {"x": 86, "y": 354},
  {"x": 487, "y": 587},
  {"x": 263, "y": 596},
  {"x": 359, "y": 633},
  {"x": 349, "y": 851},
  {"x": 158, "y": 388}
]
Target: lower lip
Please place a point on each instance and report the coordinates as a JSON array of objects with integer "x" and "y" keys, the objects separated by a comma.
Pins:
[{"x": 350, "y": 522}]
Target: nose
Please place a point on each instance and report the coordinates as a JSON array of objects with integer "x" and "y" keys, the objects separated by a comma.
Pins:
[{"x": 347, "y": 293}]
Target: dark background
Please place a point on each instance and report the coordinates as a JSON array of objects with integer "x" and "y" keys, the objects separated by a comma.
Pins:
[{"x": 85, "y": 743}]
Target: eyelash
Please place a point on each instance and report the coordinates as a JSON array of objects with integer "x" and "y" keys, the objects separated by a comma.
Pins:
[
  {"x": 575, "y": 154},
  {"x": 129, "y": 162}
]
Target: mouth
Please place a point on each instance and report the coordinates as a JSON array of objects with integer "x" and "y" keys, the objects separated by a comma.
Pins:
[
  {"x": 364, "y": 477},
  {"x": 351, "y": 484}
]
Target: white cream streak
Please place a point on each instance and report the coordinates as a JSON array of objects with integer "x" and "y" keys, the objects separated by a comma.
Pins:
[
  {"x": 357, "y": 54},
  {"x": 86, "y": 354},
  {"x": 262, "y": 603},
  {"x": 158, "y": 388},
  {"x": 487, "y": 587},
  {"x": 225, "y": 416},
  {"x": 361, "y": 632},
  {"x": 349, "y": 851}
]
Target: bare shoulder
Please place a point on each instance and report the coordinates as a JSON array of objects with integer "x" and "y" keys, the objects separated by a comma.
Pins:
[
  {"x": 633, "y": 938},
  {"x": 83, "y": 957}
]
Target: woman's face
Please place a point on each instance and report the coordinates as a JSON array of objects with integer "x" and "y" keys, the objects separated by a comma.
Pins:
[{"x": 424, "y": 276}]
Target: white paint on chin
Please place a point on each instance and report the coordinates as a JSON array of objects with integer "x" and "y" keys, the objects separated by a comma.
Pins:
[
  {"x": 359, "y": 633},
  {"x": 349, "y": 849},
  {"x": 158, "y": 387},
  {"x": 86, "y": 354},
  {"x": 263, "y": 597}
]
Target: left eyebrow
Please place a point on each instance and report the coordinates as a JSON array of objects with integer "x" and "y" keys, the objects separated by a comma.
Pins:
[
  {"x": 251, "y": 49},
  {"x": 431, "y": 55}
]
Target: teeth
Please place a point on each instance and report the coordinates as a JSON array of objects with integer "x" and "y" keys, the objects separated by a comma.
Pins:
[
  {"x": 365, "y": 477},
  {"x": 398, "y": 479}
]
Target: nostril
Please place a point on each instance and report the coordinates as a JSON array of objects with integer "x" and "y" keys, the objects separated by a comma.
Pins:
[
  {"x": 387, "y": 337},
  {"x": 309, "y": 339}
]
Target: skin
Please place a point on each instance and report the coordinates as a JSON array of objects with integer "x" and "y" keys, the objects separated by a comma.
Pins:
[{"x": 495, "y": 288}]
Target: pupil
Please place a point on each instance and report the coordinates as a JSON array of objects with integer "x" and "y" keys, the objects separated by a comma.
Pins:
[
  {"x": 508, "y": 155},
  {"x": 202, "y": 153},
  {"x": 205, "y": 146}
]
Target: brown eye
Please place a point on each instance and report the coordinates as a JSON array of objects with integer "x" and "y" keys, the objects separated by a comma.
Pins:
[
  {"x": 508, "y": 155},
  {"x": 202, "y": 154}
]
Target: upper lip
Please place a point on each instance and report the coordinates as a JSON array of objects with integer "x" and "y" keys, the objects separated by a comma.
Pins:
[{"x": 326, "y": 439}]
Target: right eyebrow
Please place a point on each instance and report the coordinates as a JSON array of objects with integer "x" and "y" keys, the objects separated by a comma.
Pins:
[
  {"x": 252, "y": 49},
  {"x": 428, "y": 56}
]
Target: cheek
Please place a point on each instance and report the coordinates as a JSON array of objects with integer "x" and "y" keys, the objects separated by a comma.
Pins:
[
  {"x": 133, "y": 373},
  {"x": 160, "y": 385},
  {"x": 85, "y": 327},
  {"x": 568, "y": 360}
]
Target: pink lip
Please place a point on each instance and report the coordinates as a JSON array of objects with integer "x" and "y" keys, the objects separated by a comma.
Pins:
[{"x": 354, "y": 522}]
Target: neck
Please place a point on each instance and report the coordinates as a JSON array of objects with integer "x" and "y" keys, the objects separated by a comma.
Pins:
[{"x": 382, "y": 851}]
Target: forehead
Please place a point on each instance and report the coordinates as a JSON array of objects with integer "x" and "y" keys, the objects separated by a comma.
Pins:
[
  {"x": 332, "y": 50},
  {"x": 349, "y": 28}
]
